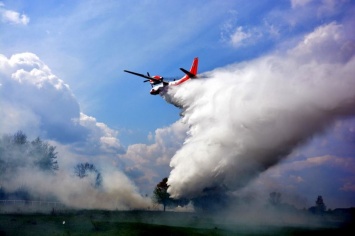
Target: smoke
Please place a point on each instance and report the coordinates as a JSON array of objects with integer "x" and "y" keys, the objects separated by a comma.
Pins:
[
  {"x": 116, "y": 192},
  {"x": 247, "y": 117},
  {"x": 27, "y": 168}
]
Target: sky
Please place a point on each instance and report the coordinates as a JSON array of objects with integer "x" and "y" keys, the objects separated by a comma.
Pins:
[{"x": 61, "y": 78}]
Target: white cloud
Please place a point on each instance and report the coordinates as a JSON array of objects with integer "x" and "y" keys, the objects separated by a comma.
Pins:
[
  {"x": 101, "y": 133},
  {"x": 167, "y": 141},
  {"x": 280, "y": 23},
  {"x": 237, "y": 35},
  {"x": 349, "y": 186},
  {"x": 297, "y": 179},
  {"x": 298, "y": 3},
  {"x": 29, "y": 87},
  {"x": 330, "y": 42},
  {"x": 305, "y": 10},
  {"x": 238, "y": 38},
  {"x": 320, "y": 7},
  {"x": 12, "y": 17},
  {"x": 149, "y": 163},
  {"x": 345, "y": 164},
  {"x": 34, "y": 100}
]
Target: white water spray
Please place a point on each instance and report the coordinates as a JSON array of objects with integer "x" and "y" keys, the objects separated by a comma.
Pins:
[{"x": 247, "y": 117}]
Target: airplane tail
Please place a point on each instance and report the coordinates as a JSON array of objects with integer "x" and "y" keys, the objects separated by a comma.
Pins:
[{"x": 193, "y": 70}]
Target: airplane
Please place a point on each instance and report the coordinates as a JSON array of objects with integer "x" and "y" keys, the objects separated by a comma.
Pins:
[{"x": 160, "y": 86}]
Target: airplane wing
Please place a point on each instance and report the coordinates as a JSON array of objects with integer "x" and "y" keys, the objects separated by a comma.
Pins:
[{"x": 141, "y": 75}]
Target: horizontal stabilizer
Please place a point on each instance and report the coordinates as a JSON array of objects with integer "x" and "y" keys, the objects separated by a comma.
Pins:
[{"x": 188, "y": 73}]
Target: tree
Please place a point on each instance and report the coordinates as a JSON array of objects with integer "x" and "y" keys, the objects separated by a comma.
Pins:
[
  {"x": 161, "y": 194},
  {"x": 83, "y": 170},
  {"x": 320, "y": 204},
  {"x": 16, "y": 151},
  {"x": 19, "y": 138},
  {"x": 44, "y": 155},
  {"x": 320, "y": 207}
]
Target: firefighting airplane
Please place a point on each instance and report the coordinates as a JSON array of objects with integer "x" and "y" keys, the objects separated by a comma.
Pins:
[{"x": 159, "y": 85}]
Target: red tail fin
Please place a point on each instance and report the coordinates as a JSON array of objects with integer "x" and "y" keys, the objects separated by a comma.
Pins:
[
  {"x": 194, "y": 66},
  {"x": 193, "y": 71}
]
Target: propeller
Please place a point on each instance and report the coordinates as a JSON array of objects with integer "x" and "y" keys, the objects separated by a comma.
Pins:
[{"x": 148, "y": 77}]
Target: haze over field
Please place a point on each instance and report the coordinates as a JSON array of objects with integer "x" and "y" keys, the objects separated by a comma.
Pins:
[{"x": 272, "y": 111}]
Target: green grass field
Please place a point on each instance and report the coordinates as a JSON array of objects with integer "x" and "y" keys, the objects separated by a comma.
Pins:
[{"x": 142, "y": 223}]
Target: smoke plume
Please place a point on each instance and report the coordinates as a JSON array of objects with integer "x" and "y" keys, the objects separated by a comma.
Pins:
[
  {"x": 117, "y": 191},
  {"x": 247, "y": 117}
]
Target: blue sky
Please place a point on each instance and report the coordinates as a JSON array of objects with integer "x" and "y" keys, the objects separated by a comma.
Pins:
[
  {"x": 90, "y": 43},
  {"x": 84, "y": 46}
]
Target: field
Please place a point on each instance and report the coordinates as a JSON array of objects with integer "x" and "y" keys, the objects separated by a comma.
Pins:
[{"x": 146, "y": 223}]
